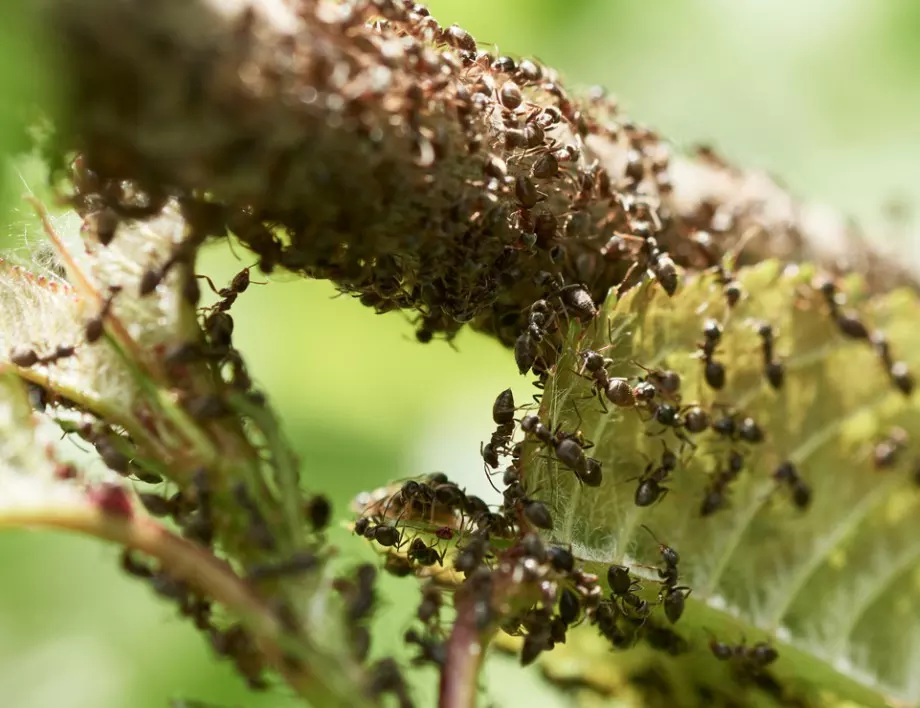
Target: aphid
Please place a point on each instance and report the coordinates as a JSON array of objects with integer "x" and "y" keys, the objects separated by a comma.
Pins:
[
  {"x": 786, "y": 473},
  {"x": 620, "y": 581},
  {"x": 713, "y": 371}
]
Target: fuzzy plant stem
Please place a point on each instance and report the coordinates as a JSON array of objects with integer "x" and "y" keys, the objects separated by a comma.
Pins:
[
  {"x": 379, "y": 142},
  {"x": 466, "y": 650}
]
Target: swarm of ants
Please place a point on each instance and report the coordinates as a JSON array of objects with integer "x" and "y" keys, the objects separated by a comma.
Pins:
[{"x": 534, "y": 241}]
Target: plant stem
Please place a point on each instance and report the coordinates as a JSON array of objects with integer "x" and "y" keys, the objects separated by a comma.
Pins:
[
  {"x": 310, "y": 676},
  {"x": 466, "y": 649}
]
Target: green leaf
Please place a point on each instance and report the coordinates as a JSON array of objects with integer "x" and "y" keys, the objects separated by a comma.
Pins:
[{"x": 835, "y": 587}]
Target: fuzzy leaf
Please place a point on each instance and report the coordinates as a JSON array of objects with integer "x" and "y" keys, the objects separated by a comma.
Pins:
[{"x": 835, "y": 587}]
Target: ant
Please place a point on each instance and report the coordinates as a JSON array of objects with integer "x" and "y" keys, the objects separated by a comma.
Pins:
[
  {"x": 472, "y": 555},
  {"x": 431, "y": 650},
  {"x": 423, "y": 554},
  {"x": 239, "y": 284},
  {"x": 773, "y": 368},
  {"x": 897, "y": 370},
  {"x": 503, "y": 416},
  {"x": 385, "y": 534},
  {"x": 847, "y": 322},
  {"x": 652, "y": 259},
  {"x": 672, "y": 595},
  {"x": 786, "y": 473},
  {"x": 664, "y": 380},
  {"x": 526, "y": 346},
  {"x": 650, "y": 489},
  {"x": 569, "y": 606},
  {"x": 887, "y": 451},
  {"x": 715, "y": 494},
  {"x": 758, "y": 656},
  {"x": 569, "y": 449},
  {"x": 94, "y": 327},
  {"x": 720, "y": 266},
  {"x": 536, "y": 512},
  {"x": 695, "y": 420},
  {"x": 714, "y": 371}
]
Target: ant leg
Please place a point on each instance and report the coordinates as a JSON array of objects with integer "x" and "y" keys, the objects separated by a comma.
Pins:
[{"x": 211, "y": 283}]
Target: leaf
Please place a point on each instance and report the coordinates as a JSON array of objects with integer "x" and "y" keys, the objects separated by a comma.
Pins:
[{"x": 835, "y": 588}]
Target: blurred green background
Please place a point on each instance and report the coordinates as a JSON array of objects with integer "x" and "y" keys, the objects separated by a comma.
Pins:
[{"x": 824, "y": 93}]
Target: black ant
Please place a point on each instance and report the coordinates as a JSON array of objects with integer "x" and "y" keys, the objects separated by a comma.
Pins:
[
  {"x": 94, "y": 327},
  {"x": 302, "y": 562},
  {"x": 569, "y": 449},
  {"x": 536, "y": 512},
  {"x": 664, "y": 380},
  {"x": 786, "y": 473},
  {"x": 561, "y": 559},
  {"x": 653, "y": 259},
  {"x": 773, "y": 368},
  {"x": 757, "y": 656},
  {"x": 569, "y": 606},
  {"x": 423, "y": 554},
  {"x": 672, "y": 595},
  {"x": 897, "y": 370},
  {"x": 715, "y": 494},
  {"x": 887, "y": 451},
  {"x": 695, "y": 420},
  {"x": 714, "y": 371},
  {"x": 650, "y": 489},
  {"x": 503, "y": 416},
  {"x": 431, "y": 650},
  {"x": 386, "y": 535},
  {"x": 526, "y": 346},
  {"x": 847, "y": 322},
  {"x": 473, "y": 553}
]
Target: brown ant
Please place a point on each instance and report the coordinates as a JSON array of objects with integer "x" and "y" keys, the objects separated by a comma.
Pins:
[
  {"x": 786, "y": 473},
  {"x": 773, "y": 368},
  {"x": 238, "y": 285},
  {"x": 714, "y": 371}
]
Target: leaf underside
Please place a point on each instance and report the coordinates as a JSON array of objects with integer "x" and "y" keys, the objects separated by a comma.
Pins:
[{"x": 835, "y": 588}]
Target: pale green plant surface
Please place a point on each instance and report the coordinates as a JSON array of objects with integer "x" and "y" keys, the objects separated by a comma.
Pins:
[{"x": 834, "y": 587}]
